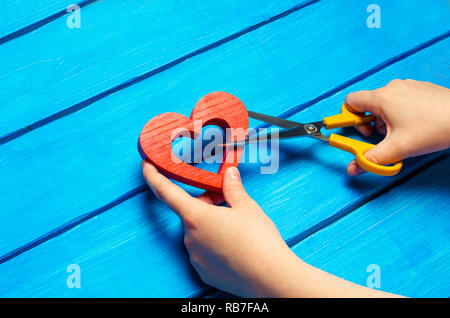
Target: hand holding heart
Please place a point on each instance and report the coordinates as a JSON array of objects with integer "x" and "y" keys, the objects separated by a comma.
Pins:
[
  {"x": 236, "y": 249},
  {"x": 218, "y": 108}
]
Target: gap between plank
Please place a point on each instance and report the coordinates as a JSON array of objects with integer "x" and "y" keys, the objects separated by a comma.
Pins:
[
  {"x": 85, "y": 217},
  {"x": 72, "y": 223},
  {"x": 38, "y": 24},
  {"x": 65, "y": 112},
  {"x": 291, "y": 111},
  {"x": 74, "y": 108},
  {"x": 359, "y": 203}
]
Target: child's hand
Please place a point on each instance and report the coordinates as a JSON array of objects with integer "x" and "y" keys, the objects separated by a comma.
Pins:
[
  {"x": 237, "y": 249},
  {"x": 413, "y": 115}
]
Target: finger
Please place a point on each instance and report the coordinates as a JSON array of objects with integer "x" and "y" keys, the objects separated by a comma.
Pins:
[
  {"x": 366, "y": 129},
  {"x": 363, "y": 101},
  {"x": 177, "y": 199},
  {"x": 380, "y": 126},
  {"x": 233, "y": 190},
  {"x": 353, "y": 169},
  {"x": 212, "y": 198}
]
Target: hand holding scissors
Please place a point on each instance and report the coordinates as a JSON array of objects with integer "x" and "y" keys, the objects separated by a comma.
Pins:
[{"x": 347, "y": 117}]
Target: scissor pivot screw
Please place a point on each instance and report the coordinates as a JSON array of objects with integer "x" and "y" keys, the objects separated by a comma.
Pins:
[{"x": 310, "y": 128}]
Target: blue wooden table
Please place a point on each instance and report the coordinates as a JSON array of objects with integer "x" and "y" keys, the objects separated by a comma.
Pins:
[{"x": 74, "y": 97}]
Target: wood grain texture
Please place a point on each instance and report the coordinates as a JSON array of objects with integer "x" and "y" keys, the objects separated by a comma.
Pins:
[
  {"x": 218, "y": 108},
  {"x": 117, "y": 42},
  {"x": 404, "y": 231},
  {"x": 136, "y": 248},
  {"x": 92, "y": 154}
]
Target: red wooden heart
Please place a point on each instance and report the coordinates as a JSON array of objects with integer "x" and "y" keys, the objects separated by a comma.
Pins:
[{"x": 218, "y": 108}]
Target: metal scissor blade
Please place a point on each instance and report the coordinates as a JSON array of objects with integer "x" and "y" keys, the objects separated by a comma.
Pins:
[
  {"x": 297, "y": 131},
  {"x": 279, "y": 122},
  {"x": 300, "y": 130}
]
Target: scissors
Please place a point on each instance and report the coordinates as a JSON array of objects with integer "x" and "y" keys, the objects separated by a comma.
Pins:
[{"x": 348, "y": 117}]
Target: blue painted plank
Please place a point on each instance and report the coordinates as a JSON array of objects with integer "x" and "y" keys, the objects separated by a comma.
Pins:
[
  {"x": 116, "y": 249},
  {"x": 404, "y": 231},
  {"x": 19, "y": 17},
  {"x": 60, "y": 67},
  {"x": 144, "y": 224},
  {"x": 91, "y": 154}
]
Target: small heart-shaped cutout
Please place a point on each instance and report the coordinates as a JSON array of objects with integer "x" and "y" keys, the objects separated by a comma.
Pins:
[
  {"x": 218, "y": 108},
  {"x": 205, "y": 152}
]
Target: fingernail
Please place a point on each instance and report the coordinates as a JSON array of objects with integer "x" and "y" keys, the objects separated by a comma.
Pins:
[{"x": 233, "y": 173}]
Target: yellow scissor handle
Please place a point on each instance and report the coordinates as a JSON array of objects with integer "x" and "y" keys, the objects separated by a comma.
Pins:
[
  {"x": 359, "y": 148},
  {"x": 347, "y": 117}
]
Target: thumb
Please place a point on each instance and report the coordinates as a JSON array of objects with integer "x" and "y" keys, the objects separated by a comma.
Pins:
[
  {"x": 383, "y": 153},
  {"x": 233, "y": 190}
]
